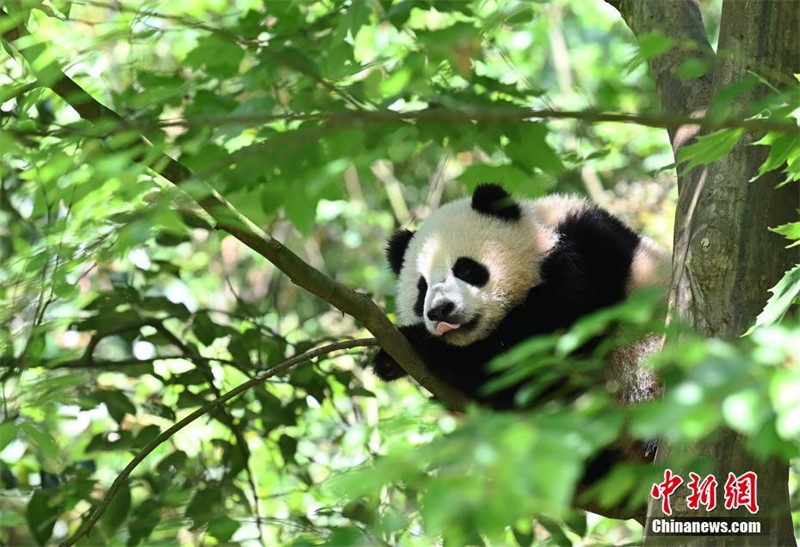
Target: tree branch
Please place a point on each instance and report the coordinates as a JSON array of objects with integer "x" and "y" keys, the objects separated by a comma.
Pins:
[
  {"x": 671, "y": 122},
  {"x": 230, "y": 220},
  {"x": 287, "y": 365}
]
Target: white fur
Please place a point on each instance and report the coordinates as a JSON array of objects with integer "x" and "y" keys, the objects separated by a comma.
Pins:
[
  {"x": 650, "y": 266},
  {"x": 552, "y": 209}
]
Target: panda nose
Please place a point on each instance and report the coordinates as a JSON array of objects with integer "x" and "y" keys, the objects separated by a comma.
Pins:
[{"x": 441, "y": 311}]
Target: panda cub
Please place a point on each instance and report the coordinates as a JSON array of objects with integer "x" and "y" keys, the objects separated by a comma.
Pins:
[{"x": 485, "y": 273}]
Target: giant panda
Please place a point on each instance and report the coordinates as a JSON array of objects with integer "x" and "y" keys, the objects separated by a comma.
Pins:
[{"x": 485, "y": 273}]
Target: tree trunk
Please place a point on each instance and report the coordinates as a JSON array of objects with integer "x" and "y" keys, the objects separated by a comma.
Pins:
[{"x": 725, "y": 259}]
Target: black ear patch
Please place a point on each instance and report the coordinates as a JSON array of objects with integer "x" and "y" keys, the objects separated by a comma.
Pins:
[
  {"x": 396, "y": 249},
  {"x": 491, "y": 199}
]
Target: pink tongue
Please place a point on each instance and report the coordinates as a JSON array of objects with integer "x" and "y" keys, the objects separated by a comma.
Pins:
[{"x": 443, "y": 327}]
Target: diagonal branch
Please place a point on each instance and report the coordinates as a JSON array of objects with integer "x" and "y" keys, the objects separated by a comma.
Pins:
[{"x": 230, "y": 220}]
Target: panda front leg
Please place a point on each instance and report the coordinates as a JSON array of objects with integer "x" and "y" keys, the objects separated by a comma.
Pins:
[
  {"x": 386, "y": 368},
  {"x": 440, "y": 357}
]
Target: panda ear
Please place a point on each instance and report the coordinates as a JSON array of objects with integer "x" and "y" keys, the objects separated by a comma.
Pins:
[
  {"x": 396, "y": 249},
  {"x": 491, "y": 199}
]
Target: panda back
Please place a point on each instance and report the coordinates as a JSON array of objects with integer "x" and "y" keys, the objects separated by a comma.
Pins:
[{"x": 604, "y": 249}]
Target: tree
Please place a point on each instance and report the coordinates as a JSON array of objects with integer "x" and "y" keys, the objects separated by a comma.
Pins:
[
  {"x": 153, "y": 156},
  {"x": 725, "y": 256}
]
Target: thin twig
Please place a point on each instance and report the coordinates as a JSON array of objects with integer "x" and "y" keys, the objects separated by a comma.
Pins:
[
  {"x": 671, "y": 121},
  {"x": 102, "y": 505},
  {"x": 18, "y": 91}
]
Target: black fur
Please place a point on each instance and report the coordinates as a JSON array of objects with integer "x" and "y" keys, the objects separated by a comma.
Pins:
[
  {"x": 422, "y": 288},
  {"x": 396, "y": 249},
  {"x": 491, "y": 199},
  {"x": 471, "y": 271}
]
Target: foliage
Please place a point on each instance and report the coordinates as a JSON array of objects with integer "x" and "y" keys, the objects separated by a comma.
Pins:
[{"x": 123, "y": 310}]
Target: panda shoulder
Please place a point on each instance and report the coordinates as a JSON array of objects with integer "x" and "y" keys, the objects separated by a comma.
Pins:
[
  {"x": 651, "y": 263},
  {"x": 553, "y": 209}
]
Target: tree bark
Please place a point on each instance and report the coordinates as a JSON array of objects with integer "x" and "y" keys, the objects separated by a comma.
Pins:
[{"x": 725, "y": 258}]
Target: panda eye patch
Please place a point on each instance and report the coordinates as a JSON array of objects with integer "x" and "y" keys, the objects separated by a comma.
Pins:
[
  {"x": 471, "y": 271},
  {"x": 419, "y": 305}
]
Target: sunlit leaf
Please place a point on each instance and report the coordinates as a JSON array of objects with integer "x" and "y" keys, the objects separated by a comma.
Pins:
[
  {"x": 783, "y": 296},
  {"x": 781, "y": 146},
  {"x": 709, "y": 148}
]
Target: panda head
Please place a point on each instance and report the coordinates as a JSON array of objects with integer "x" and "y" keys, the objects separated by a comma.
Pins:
[{"x": 469, "y": 263}]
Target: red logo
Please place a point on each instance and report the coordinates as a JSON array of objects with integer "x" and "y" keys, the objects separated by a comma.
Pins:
[
  {"x": 739, "y": 491},
  {"x": 703, "y": 492},
  {"x": 663, "y": 490}
]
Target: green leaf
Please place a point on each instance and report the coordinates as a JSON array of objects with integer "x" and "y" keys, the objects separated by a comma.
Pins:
[
  {"x": 43, "y": 441},
  {"x": 205, "y": 504},
  {"x": 399, "y": 13},
  {"x": 147, "y": 434},
  {"x": 206, "y": 104},
  {"x": 745, "y": 411},
  {"x": 396, "y": 83},
  {"x": 790, "y": 230},
  {"x": 723, "y": 98},
  {"x": 529, "y": 148},
  {"x": 101, "y": 441},
  {"x": 301, "y": 209},
  {"x": 117, "y": 511},
  {"x": 41, "y": 517},
  {"x": 781, "y": 146},
  {"x": 654, "y": 44},
  {"x": 143, "y": 521},
  {"x": 205, "y": 329},
  {"x": 520, "y": 17},
  {"x": 288, "y": 447},
  {"x": 346, "y": 536},
  {"x": 524, "y": 538},
  {"x": 557, "y": 535},
  {"x": 693, "y": 68},
  {"x": 172, "y": 463},
  {"x": 116, "y": 402},
  {"x": 783, "y": 295},
  {"x": 576, "y": 521},
  {"x": 9, "y": 520},
  {"x": 223, "y": 528},
  {"x": 293, "y": 58},
  {"x": 709, "y": 148},
  {"x": 785, "y": 396},
  {"x": 219, "y": 56},
  {"x": 8, "y": 432}
]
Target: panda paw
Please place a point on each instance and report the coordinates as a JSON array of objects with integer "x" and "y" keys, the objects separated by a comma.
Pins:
[{"x": 386, "y": 368}]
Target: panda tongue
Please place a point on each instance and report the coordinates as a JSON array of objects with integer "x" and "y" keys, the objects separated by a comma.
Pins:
[{"x": 443, "y": 327}]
